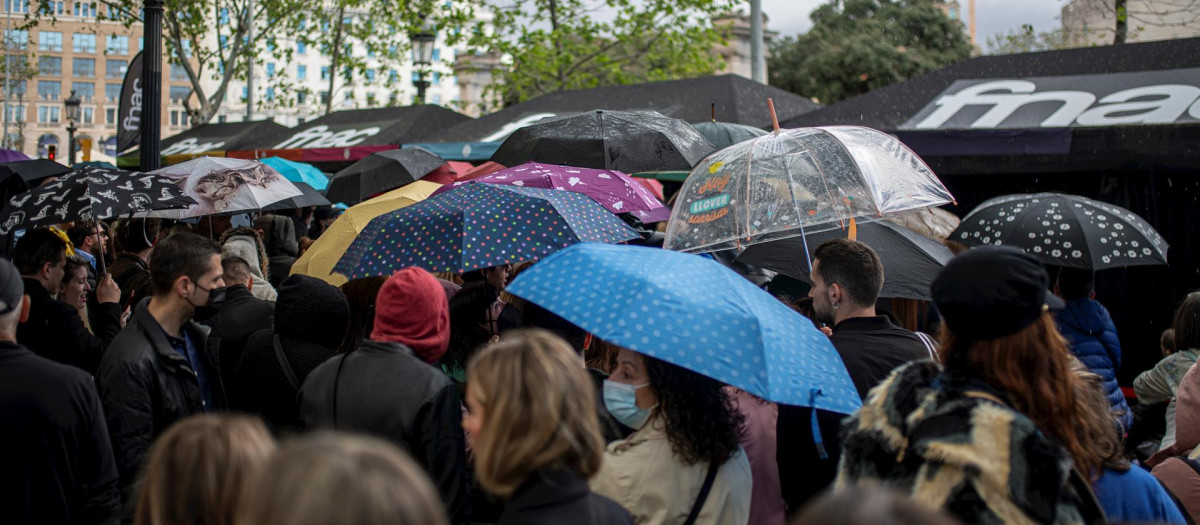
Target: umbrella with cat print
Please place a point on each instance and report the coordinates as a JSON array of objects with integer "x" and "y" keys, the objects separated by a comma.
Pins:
[{"x": 91, "y": 194}]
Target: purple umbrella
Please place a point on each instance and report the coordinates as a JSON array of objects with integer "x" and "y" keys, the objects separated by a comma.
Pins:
[
  {"x": 8, "y": 155},
  {"x": 614, "y": 190}
]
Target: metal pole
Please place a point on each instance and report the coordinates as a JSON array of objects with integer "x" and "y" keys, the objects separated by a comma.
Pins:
[
  {"x": 250, "y": 62},
  {"x": 71, "y": 129},
  {"x": 421, "y": 85},
  {"x": 757, "y": 63},
  {"x": 7, "y": 66},
  {"x": 152, "y": 78}
]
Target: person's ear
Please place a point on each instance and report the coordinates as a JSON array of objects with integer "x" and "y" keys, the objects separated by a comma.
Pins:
[
  {"x": 25, "y": 303},
  {"x": 835, "y": 293},
  {"x": 182, "y": 288}
]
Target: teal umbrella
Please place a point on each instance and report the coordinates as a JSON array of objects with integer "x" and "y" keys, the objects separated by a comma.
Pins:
[{"x": 298, "y": 172}]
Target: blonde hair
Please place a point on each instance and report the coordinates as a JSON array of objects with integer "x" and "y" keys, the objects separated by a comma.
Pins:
[
  {"x": 328, "y": 478},
  {"x": 539, "y": 410},
  {"x": 198, "y": 469}
]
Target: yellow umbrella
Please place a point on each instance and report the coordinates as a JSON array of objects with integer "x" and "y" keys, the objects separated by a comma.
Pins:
[{"x": 321, "y": 257}]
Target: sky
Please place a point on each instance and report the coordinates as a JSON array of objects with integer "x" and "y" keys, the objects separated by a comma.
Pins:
[{"x": 790, "y": 17}]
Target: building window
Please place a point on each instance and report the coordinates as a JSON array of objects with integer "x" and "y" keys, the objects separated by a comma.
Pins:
[
  {"x": 953, "y": 13},
  {"x": 50, "y": 7},
  {"x": 437, "y": 99},
  {"x": 174, "y": 118},
  {"x": 84, "y": 90},
  {"x": 83, "y": 67},
  {"x": 178, "y": 73},
  {"x": 112, "y": 92},
  {"x": 83, "y": 43},
  {"x": 271, "y": 70},
  {"x": 301, "y": 49},
  {"x": 117, "y": 45},
  {"x": 223, "y": 17},
  {"x": 48, "y": 114},
  {"x": 393, "y": 76},
  {"x": 50, "y": 41},
  {"x": 245, "y": 93},
  {"x": 85, "y": 9},
  {"x": 301, "y": 120},
  {"x": 179, "y": 93},
  {"x": 324, "y": 72},
  {"x": 16, "y": 113},
  {"x": 324, "y": 97},
  {"x": 437, "y": 54},
  {"x": 370, "y": 75},
  {"x": 50, "y": 66},
  {"x": 270, "y": 94},
  {"x": 49, "y": 89},
  {"x": 87, "y": 114},
  {"x": 115, "y": 68},
  {"x": 221, "y": 119},
  {"x": 349, "y": 96},
  {"x": 16, "y": 39},
  {"x": 370, "y": 99},
  {"x": 301, "y": 97},
  {"x": 110, "y": 115},
  {"x": 16, "y": 6},
  {"x": 223, "y": 41},
  {"x": 301, "y": 72}
]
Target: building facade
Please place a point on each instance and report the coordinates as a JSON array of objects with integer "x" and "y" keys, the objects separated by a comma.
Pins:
[
  {"x": 1094, "y": 22},
  {"x": 954, "y": 11},
  {"x": 736, "y": 50},
  {"x": 76, "y": 53}
]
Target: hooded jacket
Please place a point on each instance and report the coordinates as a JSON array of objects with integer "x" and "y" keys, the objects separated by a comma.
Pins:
[
  {"x": 282, "y": 248},
  {"x": 961, "y": 450},
  {"x": 308, "y": 316},
  {"x": 244, "y": 243},
  {"x": 1093, "y": 337}
]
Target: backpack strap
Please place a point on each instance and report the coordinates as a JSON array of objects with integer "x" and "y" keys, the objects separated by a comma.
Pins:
[
  {"x": 283, "y": 363},
  {"x": 709, "y": 478}
]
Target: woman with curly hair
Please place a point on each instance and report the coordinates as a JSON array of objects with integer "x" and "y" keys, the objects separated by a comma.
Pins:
[{"x": 683, "y": 465}]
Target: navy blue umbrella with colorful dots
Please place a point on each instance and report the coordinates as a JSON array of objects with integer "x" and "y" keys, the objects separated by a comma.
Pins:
[
  {"x": 479, "y": 226},
  {"x": 695, "y": 313},
  {"x": 1064, "y": 230}
]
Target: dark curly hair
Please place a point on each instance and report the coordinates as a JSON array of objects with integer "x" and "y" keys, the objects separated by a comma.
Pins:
[
  {"x": 468, "y": 318},
  {"x": 702, "y": 422}
]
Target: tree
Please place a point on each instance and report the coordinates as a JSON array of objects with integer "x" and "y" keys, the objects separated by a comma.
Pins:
[
  {"x": 249, "y": 33},
  {"x": 1027, "y": 40},
  {"x": 557, "y": 45},
  {"x": 1125, "y": 18},
  {"x": 856, "y": 46},
  {"x": 17, "y": 68}
]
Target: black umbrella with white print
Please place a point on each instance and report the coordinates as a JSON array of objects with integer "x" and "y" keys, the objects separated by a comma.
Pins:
[{"x": 1064, "y": 230}]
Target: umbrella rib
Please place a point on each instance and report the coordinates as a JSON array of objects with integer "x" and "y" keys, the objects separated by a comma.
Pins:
[
  {"x": 860, "y": 169},
  {"x": 825, "y": 182}
]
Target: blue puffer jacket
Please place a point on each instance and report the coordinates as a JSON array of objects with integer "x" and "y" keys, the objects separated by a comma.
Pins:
[{"x": 1093, "y": 338}]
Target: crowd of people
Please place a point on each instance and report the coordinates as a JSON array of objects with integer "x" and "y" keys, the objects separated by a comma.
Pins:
[{"x": 177, "y": 374}]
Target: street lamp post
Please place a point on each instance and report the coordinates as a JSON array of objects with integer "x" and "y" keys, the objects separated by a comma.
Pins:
[
  {"x": 71, "y": 104},
  {"x": 422, "y": 57}
]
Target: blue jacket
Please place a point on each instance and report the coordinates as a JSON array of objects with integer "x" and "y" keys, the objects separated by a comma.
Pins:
[{"x": 1093, "y": 338}]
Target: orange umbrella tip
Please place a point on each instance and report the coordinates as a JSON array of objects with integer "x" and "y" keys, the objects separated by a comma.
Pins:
[{"x": 774, "y": 117}]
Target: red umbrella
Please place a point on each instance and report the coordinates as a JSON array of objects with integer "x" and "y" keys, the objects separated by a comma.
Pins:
[
  {"x": 483, "y": 170},
  {"x": 453, "y": 171}
]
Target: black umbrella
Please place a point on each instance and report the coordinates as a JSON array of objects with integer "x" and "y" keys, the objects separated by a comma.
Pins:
[
  {"x": 628, "y": 141},
  {"x": 33, "y": 171},
  {"x": 1064, "y": 230},
  {"x": 91, "y": 194},
  {"x": 910, "y": 260},
  {"x": 308, "y": 197},
  {"x": 380, "y": 172},
  {"x": 725, "y": 134}
]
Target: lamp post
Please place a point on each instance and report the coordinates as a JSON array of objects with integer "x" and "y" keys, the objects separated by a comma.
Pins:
[
  {"x": 422, "y": 57},
  {"x": 72, "y": 106}
]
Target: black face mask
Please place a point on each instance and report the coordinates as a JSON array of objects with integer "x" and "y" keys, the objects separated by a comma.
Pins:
[{"x": 216, "y": 298}]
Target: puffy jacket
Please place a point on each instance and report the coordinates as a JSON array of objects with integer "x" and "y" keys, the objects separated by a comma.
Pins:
[
  {"x": 1089, "y": 329},
  {"x": 145, "y": 386}
]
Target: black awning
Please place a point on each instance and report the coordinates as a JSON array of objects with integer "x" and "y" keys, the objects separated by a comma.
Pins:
[
  {"x": 224, "y": 136},
  {"x": 363, "y": 127}
]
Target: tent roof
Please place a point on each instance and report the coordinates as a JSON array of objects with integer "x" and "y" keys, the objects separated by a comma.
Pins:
[
  {"x": 218, "y": 137},
  {"x": 363, "y": 127},
  {"x": 738, "y": 100},
  {"x": 890, "y": 107}
]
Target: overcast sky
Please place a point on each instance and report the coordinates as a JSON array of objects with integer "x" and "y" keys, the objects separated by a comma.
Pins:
[{"x": 790, "y": 17}]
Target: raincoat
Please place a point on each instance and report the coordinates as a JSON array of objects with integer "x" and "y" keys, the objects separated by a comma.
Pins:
[{"x": 1160, "y": 383}]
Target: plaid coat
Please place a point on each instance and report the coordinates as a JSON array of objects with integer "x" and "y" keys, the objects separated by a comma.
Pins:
[{"x": 966, "y": 453}]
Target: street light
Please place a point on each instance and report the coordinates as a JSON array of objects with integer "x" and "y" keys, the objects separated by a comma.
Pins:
[
  {"x": 422, "y": 57},
  {"x": 72, "y": 107}
]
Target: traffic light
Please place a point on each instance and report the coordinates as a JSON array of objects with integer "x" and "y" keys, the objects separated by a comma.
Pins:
[{"x": 51, "y": 150}]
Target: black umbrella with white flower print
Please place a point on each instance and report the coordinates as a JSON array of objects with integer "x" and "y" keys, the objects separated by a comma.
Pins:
[{"x": 1064, "y": 230}]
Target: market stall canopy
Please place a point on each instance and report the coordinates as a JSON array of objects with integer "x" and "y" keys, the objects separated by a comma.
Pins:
[
  {"x": 737, "y": 100},
  {"x": 363, "y": 127},
  {"x": 220, "y": 137}
]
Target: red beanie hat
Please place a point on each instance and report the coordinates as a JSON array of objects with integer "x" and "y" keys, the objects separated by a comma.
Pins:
[{"x": 411, "y": 309}]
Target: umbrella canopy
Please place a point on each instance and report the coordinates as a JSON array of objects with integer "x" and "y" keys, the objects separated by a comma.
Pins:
[
  {"x": 318, "y": 261},
  {"x": 792, "y": 180},
  {"x": 91, "y": 194},
  {"x": 479, "y": 226},
  {"x": 222, "y": 185},
  {"x": 695, "y": 313},
  {"x": 616, "y": 191},
  {"x": 381, "y": 172},
  {"x": 910, "y": 261},
  {"x": 309, "y": 196},
  {"x": 95, "y": 164},
  {"x": 487, "y": 168},
  {"x": 298, "y": 172},
  {"x": 1065, "y": 230},
  {"x": 33, "y": 171},
  {"x": 450, "y": 172},
  {"x": 8, "y": 155},
  {"x": 627, "y": 141},
  {"x": 725, "y": 134}
]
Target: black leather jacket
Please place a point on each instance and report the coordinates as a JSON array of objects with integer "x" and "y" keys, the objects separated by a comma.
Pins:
[{"x": 145, "y": 386}]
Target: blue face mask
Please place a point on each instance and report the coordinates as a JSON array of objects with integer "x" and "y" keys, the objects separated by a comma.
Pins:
[{"x": 621, "y": 401}]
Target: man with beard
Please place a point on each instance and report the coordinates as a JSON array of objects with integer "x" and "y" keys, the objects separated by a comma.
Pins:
[{"x": 846, "y": 279}]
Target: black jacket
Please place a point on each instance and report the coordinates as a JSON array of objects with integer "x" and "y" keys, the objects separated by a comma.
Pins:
[
  {"x": 386, "y": 391},
  {"x": 56, "y": 464},
  {"x": 260, "y": 385},
  {"x": 240, "y": 316},
  {"x": 282, "y": 248},
  {"x": 132, "y": 276},
  {"x": 871, "y": 347},
  {"x": 145, "y": 386},
  {"x": 55, "y": 330},
  {"x": 553, "y": 497}
]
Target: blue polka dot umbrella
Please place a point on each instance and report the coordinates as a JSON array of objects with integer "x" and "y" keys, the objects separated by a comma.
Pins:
[
  {"x": 479, "y": 226},
  {"x": 693, "y": 312}
]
